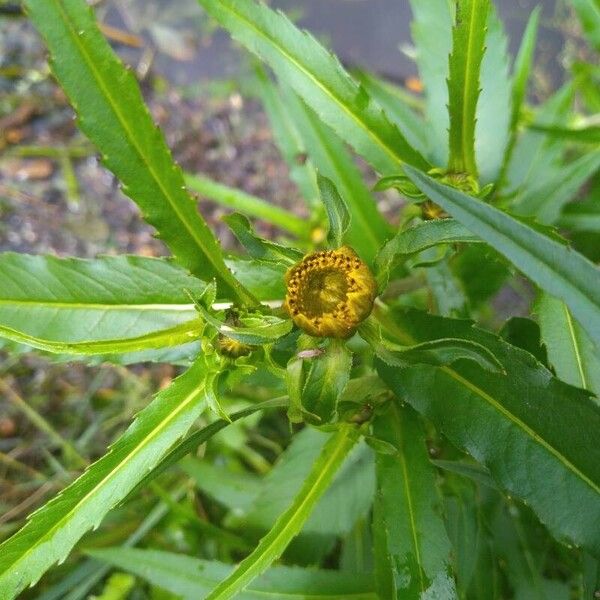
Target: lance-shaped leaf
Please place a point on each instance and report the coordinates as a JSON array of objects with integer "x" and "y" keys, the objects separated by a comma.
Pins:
[
  {"x": 570, "y": 350},
  {"x": 541, "y": 446},
  {"x": 247, "y": 204},
  {"x": 291, "y": 521},
  {"x": 262, "y": 250},
  {"x": 418, "y": 238},
  {"x": 431, "y": 28},
  {"x": 192, "y": 578},
  {"x": 468, "y": 38},
  {"x": 54, "y": 529},
  {"x": 368, "y": 229},
  {"x": 110, "y": 304},
  {"x": 554, "y": 267},
  {"x": 414, "y": 536},
  {"x": 317, "y": 76},
  {"x": 493, "y": 108},
  {"x": 338, "y": 214},
  {"x": 113, "y": 115}
]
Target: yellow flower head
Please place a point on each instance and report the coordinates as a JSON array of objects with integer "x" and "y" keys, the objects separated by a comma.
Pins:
[{"x": 329, "y": 293}]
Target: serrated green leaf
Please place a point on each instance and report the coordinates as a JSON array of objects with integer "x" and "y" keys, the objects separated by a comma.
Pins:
[
  {"x": 410, "y": 506},
  {"x": 112, "y": 114},
  {"x": 570, "y": 350},
  {"x": 338, "y": 214},
  {"x": 300, "y": 61},
  {"x": 493, "y": 108},
  {"x": 249, "y": 205},
  {"x": 192, "y": 578},
  {"x": 432, "y": 34},
  {"x": 54, "y": 529},
  {"x": 468, "y": 46},
  {"x": 398, "y": 106},
  {"x": 588, "y": 12},
  {"x": 258, "y": 248},
  {"x": 290, "y": 523},
  {"x": 554, "y": 267},
  {"x": 418, "y": 238},
  {"x": 264, "y": 280},
  {"x": 101, "y": 306},
  {"x": 540, "y": 447},
  {"x": 368, "y": 229}
]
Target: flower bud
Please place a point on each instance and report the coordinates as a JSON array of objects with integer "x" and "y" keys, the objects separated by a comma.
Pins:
[
  {"x": 329, "y": 293},
  {"x": 231, "y": 348}
]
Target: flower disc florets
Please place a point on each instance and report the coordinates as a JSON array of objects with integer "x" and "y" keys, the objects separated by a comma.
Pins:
[{"x": 329, "y": 293}]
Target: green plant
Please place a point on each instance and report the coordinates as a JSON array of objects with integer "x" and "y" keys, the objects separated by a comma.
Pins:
[{"x": 433, "y": 450}]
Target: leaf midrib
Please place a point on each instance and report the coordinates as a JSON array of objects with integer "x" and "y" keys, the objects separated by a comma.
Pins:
[
  {"x": 409, "y": 501},
  {"x": 144, "y": 442},
  {"x": 575, "y": 342},
  {"x": 97, "y": 306},
  {"x": 97, "y": 76},
  {"x": 291, "y": 522},
  {"x": 327, "y": 91},
  {"x": 523, "y": 426}
]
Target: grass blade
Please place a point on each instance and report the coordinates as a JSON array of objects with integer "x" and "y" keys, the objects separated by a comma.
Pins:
[
  {"x": 113, "y": 115},
  {"x": 290, "y": 522}
]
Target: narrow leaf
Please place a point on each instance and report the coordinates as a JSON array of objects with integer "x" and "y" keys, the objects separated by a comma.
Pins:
[
  {"x": 289, "y": 139},
  {"x": 588, "y": 12},
  {"x": 411, "y": 510},
  {"x": 290, "y": 522},
  {"x": 398, "y": 106},
  {"x": 493, "y": 108},
  {"x": 522, "y": 67},
  {"x": 468, "y": 46},
  {"x": 337, "y": 211},
  {"x": 112, "y": 114},
  {"x": 249, "y": 205},
  {"x": 542, "y": 447},
  {"x": 192, "y": 578},
  {"x": 299, "y": 60},
  {"x": 418, "y": 238},
  {"x": 432, "y": 34},
  {"x": 258, "y": 248},
  {"x": 55, "y": 528},
  {"x": 368, "y": 229},
  {"x": 556, "y": 268},
  {"x": 570, "y": 350}
]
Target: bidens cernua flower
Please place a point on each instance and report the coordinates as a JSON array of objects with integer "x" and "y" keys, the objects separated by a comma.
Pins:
[{"x": 329, "y": 293}]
